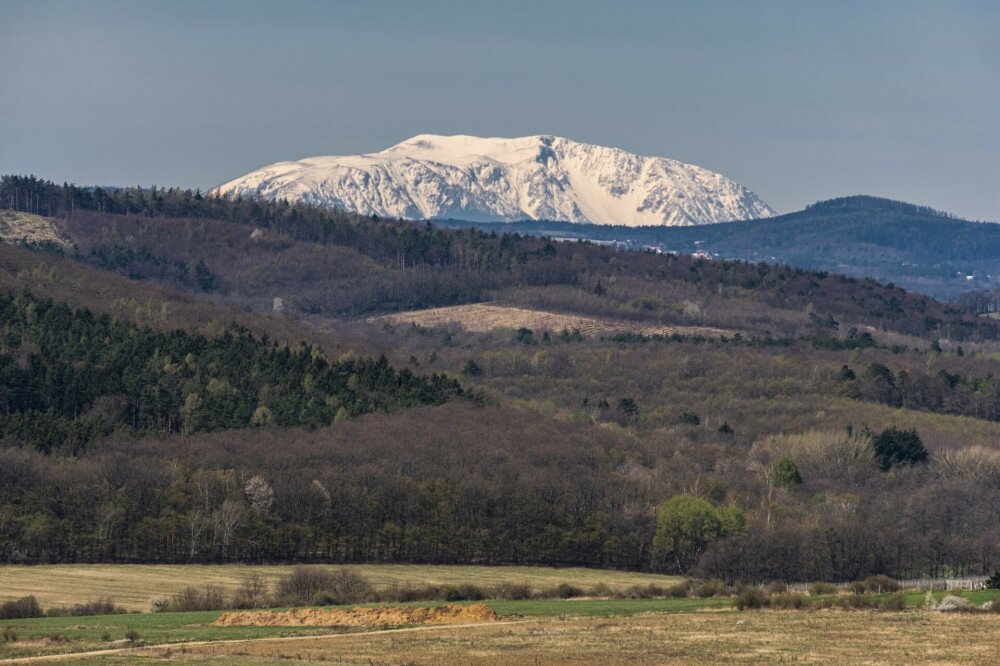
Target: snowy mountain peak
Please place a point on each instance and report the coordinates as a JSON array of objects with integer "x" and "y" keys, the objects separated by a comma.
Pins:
[{"x": 536, "y": 177}]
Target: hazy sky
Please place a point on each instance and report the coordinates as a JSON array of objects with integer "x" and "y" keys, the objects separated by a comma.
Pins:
[{"x": 799, "y": 101}]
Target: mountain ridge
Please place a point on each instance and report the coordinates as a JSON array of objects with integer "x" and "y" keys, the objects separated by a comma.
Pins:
[
  {"x": 921, "y": 248},
  {"x": 496, "y": 179}
]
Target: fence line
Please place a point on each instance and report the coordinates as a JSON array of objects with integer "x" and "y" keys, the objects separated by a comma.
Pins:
[{"x": 961, "y": 583}]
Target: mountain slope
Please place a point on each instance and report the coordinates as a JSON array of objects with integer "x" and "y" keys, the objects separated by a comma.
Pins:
[
  {"x": 535, "y": 177},
  {"x": 917, "y": 247}
]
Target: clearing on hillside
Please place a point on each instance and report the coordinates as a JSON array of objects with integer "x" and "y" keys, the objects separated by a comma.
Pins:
[
  {"x": 27, "y": 229},
  {"x": 482, "y": 317}
]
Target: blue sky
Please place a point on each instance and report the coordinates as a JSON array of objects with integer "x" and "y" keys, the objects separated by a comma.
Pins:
[{"x": 799, "y": 101}]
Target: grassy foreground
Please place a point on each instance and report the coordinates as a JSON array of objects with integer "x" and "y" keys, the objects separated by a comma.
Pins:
[
  {"x": 54, "y": 635},
  {"x": 584, "y": 630},
  {"x": 764, "y": 637},
  {"x": 132, "y": 585}
]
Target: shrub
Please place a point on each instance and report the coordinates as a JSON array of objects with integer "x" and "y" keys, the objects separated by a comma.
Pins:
[
  {"x": 462, "y": 592},
  {"x": 525, "y": 335},
  {"x": 790, "y": 600},
  {"x": 512, "y": 591},
  {"x": 212, "y": 597},
  {"x": 858, "y": 587},
  {"x": 561, "y": 591},
  {"x": 406, "y": 593},
  {"x": 655, "y": 590},
  {"x": 786, "y": 473},
  {"x": 647, "y": 591},
  {"x": 820, "y": 588},
  {"x": 18, "y": 609},
  {"x": 131, "y": 635},
  {"x": 158, "y": 604},
  {"x": 895, "y": 601},
  {"x": 993, "y": 582},
  {"x": 252, "y": 592},
  {"x": 99, "y": 607},
  {"x": 470, "y": 592},
  {"x": 847, "y": 603},
  {"x": 688, "y": 418},
  {"x": 568, "y": 591},
  {"x": 208, "y": 598},
  {"x": 713, "y": 587},
  {"x": 8, "y": 635},
  {"x": 602, "y": 590},
  {"x": 751, "y": 598},
  {"x": 314, "y": 585},
  {"x": 897, "y": 447},
  {"x": 680, "y": 590},
  {"x": 880, "y": 584},
  {"x": 188, "y": 599},
  {"x": 777, "y": 587}
]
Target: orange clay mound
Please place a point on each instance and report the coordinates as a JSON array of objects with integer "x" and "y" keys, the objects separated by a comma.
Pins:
[{"x": 359, "y": 617}]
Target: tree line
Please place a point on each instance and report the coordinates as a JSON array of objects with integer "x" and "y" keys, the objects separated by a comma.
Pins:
[{"x": 942, "y": 391}]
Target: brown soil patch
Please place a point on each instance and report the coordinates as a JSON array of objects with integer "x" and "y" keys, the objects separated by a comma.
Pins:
[{"x": 359, "y": 617}]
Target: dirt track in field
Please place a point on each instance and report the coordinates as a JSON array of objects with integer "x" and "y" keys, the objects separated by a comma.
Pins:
[{"x": 153, "y": 650}]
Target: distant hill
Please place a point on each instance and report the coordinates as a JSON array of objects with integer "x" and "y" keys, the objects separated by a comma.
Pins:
[
  {"x": 320, "y": 262},
  {"x": 916, "y": 247}
]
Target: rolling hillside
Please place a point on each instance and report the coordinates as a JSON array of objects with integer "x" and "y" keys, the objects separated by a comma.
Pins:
[
  {"x": 915, "y": 247},
  {"x": 827, "y": 419}
]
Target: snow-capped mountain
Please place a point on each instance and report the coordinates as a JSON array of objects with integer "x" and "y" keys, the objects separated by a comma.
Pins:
[{"x": 534, "y": 177}]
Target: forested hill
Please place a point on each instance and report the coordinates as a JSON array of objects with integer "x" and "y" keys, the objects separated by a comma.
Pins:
[
  {"x": 849, "y": 422},
  {"x": 916, "y": 247},
  {"x": 327, "y": 263},
  {"x": 68, "y": 376}
]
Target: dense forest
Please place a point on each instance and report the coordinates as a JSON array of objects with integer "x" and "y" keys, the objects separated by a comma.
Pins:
[
  {"x": 159, "y": 405},
  {"x": 68, "y": 376}
]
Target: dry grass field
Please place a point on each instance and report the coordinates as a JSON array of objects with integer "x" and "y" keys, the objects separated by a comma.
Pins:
[
  {"x": 761, "y": 637},
  {"x": 132, "y": 585},
  {"x": 482, "y": 317},
  {"x": 18, "y": 228}
]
